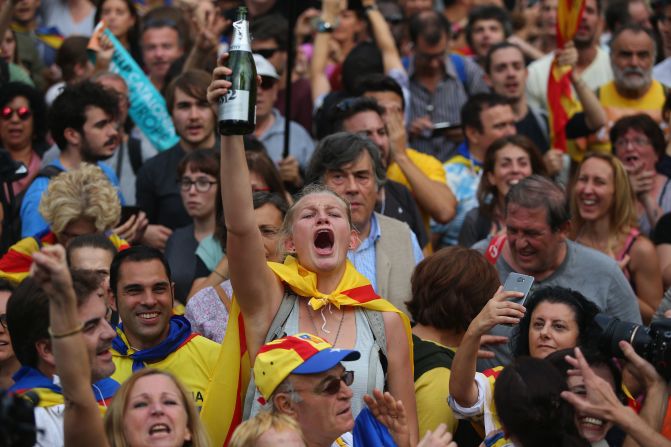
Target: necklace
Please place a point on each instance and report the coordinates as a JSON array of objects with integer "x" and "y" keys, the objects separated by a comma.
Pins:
[{"x": 323, "y": 328}]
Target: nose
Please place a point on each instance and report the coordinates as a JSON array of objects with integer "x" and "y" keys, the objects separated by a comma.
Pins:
[
  {"x": 351, "y": 186},
  {"x": 108, "y": 333},
  {"x": 156, "y": 408},
  {"x": 148, "y": 299}
]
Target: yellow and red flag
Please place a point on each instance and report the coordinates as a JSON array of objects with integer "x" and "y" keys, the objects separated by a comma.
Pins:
[{"x": 561, "y": 104}]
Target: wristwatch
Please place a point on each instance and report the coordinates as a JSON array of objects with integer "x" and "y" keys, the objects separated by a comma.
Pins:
[{"x": 324, "y": 27}]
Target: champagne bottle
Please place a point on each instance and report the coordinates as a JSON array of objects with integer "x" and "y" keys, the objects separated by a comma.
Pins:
[{"x": 237, "y": 109}]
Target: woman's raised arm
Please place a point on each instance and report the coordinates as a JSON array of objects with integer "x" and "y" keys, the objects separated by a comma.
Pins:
[{"x": 257, "y": 289}]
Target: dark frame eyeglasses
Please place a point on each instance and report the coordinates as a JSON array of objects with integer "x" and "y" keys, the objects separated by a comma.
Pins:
[
  {"x": 202, "y": 185},
  {"x": 23, "y": 112},
  {"x": 331, "y": 385}
]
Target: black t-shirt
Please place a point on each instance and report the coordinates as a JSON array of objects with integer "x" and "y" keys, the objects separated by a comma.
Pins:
[
  {"x": 399, "y": 204},
  {"x": 662, "y": 232}
]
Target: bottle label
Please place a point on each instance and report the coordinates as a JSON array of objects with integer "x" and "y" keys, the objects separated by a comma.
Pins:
[
  {"x": 234, "y": 105},
  {"x": 241, "y": 40}
]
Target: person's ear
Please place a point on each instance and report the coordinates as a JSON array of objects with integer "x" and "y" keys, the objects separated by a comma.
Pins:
[
  {"x": 44, "y": 352},
  {"x": 283, "y": 403},
  {"x": 289, "y": 246},
  {"x": 354, "y": 240},
  {"x": 72, "y": 136},
  {"x": 472, "y": 135}
]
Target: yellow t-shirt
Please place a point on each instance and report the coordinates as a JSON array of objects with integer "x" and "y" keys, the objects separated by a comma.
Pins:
[
  {"x": 617, "y": 106},
  {"x": 193, "y": 364},
  {"x": 428, "y": 164}
]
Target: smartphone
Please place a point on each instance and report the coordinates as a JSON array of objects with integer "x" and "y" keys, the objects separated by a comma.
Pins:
[
  {"x": 517, "y": 282},
  {"x": 440, "y": 128},
  {"x": 127, "y": 212}
]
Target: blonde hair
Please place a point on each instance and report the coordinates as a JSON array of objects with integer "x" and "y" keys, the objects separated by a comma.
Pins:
[
  {"x": 623, "y": 214},
  {"x": 114, "y": 419},
  {"x": 86, "y": 193},
  {"x": 251, "y": 430}
]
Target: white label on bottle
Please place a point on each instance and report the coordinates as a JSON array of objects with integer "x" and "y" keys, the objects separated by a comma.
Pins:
[
  {"x": 234, "y": 105},
  {"x": 241, "y": 39}
]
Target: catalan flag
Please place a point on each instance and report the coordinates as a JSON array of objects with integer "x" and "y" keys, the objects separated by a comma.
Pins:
[
  {"x": 561, "y": 104},
  {"x": 223, "y": 406},
  {"x": 15, "y": 264}
]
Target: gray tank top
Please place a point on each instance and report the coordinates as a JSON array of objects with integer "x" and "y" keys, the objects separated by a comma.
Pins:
[{"x": 365, "y": 344}]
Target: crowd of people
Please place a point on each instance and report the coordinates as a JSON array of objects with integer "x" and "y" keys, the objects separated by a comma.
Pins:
[{"x": 335, "y": 277}]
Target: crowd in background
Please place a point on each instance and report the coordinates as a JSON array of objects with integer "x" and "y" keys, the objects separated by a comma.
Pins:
[{"x": 335, "y": 277}]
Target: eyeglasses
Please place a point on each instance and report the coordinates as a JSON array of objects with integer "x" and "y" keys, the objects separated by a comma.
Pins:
[
  {"x": 3, "y": 320},
  {"x": 267, "y": 53},
  {"x": 22, "y": 112},
  {"x": 622, "y": 143},
  {"x": 267, "y": 82},
  {"x": 202, "y": 185},
  {"x": 331, "y": 385}
]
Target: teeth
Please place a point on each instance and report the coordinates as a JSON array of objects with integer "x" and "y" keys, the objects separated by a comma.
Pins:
[
  {"x": 592, "y": 421},
  {"x": 158, "y": 428},
  {"x": 514, "y": 182},
  {"x": 589, "y": 202},
  {"x": 148, "y": 315}
]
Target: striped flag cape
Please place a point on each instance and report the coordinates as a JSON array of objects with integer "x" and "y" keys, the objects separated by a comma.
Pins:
[
  {"x": 223, "y": 406},
  {"x": 561, "y": 104},
  {"x": 15, "y": 264}
]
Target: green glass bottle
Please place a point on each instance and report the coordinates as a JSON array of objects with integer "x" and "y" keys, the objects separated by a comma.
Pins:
[{"x": 237, "y": 109}]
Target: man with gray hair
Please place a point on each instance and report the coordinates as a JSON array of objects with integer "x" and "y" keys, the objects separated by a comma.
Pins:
[
  {"x": 536, "y": 243},
  {"x": 633, "y": 90},
  {"x": 350, "y": 165}
]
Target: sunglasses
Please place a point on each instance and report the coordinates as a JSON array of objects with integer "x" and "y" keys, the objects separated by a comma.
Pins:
[
  {"x": 267, "y": 52},
  {"x": 331, "y": 385},
  {"x": 267, "y": 82},
  {"x": 22, "y": 112}
]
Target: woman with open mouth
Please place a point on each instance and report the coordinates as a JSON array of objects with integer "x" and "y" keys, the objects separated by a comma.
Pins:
[
  {"x": 603, "y": 210},
  {"x": 316, "y": 290}
]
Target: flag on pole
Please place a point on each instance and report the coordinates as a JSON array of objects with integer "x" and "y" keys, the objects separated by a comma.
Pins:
[{"x": 561, "y": 103}]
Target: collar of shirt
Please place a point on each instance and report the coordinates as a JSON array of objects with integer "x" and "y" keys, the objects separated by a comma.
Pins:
[
  {"x": 373, "y": 235},
  {"x": 447, "y": 62},
  {"x": 277, "y": 126},
  {"x": 465, "y": 152}
]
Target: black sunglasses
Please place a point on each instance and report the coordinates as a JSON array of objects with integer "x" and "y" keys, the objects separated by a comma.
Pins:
[
  {"x": 267, "y": 82},
  {"x": 331, "y": 385},
  {"x": 267, "y": 52},
  {"x": 22, "y": 112}
]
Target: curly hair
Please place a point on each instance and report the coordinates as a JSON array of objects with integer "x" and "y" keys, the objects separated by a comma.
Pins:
[
  {"x": 69, "y": 108},
  {"x": 81, "y": 193},
  {"x": 583, "y": 310},
  {"x": 12, "y": 90}
]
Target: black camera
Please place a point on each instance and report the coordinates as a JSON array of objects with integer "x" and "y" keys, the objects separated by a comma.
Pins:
[
  {"x": 17, "y": 420},
  {"x": 652, "y": 343}
]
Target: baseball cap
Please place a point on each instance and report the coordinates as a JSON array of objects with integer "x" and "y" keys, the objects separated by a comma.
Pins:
[
  {"x": 265, "y": 68},
  {"x": 295, "y": 354}
]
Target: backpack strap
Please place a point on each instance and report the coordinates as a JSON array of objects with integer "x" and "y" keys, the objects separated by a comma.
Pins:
[
  {"x": 460, "y": 68},
  {"x": 49, "y": 171},
  {"x": 135, "y": 154},
  {"x": 376, "y": 323}
]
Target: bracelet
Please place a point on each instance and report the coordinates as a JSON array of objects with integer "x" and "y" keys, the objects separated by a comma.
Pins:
[
  {"x": 371, "y": 7},
  {"x": 76, "y": 330}
]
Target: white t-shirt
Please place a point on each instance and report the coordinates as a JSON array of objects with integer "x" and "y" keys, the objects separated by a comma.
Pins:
[{"x": 598, "y": 73}]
